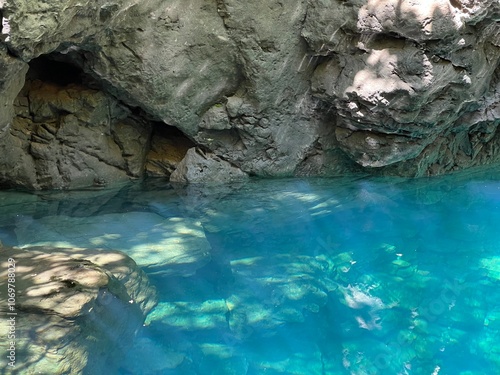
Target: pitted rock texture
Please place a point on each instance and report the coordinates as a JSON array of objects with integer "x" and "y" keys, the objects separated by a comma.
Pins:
[
  {"x": 73, "y": 306},
  {"x": 277, "y": 89}
]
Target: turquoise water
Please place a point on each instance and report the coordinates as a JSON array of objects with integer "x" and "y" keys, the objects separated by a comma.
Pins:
[{"x": 297, "y": 276}]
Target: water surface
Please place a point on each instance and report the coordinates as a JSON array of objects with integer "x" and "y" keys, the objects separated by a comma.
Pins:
[{"x": 297, "y": 276}]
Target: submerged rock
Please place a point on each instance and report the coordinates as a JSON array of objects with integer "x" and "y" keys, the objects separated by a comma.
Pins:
[
  {"x": 76, "y": 310},
  {"x": 265, "y": 294},
  {"x": 170, "y": 246}
]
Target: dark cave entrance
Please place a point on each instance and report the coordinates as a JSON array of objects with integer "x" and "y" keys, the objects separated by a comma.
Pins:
[
  {"x": 47, "y": 69},
  {"x": 65, "y": 110}
]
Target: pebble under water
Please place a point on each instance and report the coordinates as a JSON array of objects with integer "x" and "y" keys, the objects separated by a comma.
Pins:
[{"x": 352, "y": 275}]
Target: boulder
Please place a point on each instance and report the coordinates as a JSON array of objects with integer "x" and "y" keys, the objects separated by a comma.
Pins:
[
  {"x": 199, "y": 167},
  {"x": 75, "y": 311}
]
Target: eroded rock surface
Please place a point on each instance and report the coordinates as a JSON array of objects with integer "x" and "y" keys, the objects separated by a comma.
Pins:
[
  {"x": 400, "y": 75},
  {"x": 77, "y": 309},
  {"x": 302, "y": 88},
  {"x": 71, "y": 136}
]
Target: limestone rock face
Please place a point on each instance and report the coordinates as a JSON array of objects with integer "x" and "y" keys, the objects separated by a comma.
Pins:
[
  {"x": 302, "y": 88},
  {"x": 69, "y": 299}
]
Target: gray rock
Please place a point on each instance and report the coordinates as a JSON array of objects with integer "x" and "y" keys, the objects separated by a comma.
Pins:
[
  {"x": 216, "y": 118},
  {"x": 198, "y": 167},
  {"x": 400, "y": 75},
  {"x": 67, "y": 303},
  {"x": 306, "y": 88}
]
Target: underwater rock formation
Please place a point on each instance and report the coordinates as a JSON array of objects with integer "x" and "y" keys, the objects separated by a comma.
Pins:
[
  {"x": 302, "y": 88},
  {"x": 188, "y": 247},
  {"x": 73, "y": 306}
]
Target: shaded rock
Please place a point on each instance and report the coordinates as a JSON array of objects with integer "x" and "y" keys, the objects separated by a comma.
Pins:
[
  {"x": 273, "y": 126},
  {"x": 72, "y": 136},
  {"x": 168, "y": 148},
  {"x": 198, "y": 167},
  {"x": 77, "y": 309},
  {"x": 12, "y": 74}
]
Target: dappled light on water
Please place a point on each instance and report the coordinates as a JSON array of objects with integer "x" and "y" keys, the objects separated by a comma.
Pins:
[{"x": 320, "y": 276}]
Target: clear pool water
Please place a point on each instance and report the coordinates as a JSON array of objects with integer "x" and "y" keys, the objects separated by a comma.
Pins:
[{"x": 297, "y": 276}]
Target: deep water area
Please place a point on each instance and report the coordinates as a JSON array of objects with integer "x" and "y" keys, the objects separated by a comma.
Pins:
[{"x": 349, "y": 275}]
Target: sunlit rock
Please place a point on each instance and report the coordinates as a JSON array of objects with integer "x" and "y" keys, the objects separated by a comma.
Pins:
[
  {"x": 76, "y": 310},
  {"x": 400, "y": 75}
]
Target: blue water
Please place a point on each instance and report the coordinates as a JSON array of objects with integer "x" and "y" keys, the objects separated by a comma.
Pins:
[{"x": 355, "y": 275}]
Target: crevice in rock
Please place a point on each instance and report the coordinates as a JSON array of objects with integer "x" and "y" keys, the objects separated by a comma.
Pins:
[
  {"x": 222, "y": 11},
  {"x": 168, "y": 147}
]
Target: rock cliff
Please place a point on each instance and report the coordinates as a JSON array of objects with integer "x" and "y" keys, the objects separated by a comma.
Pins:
[{"x": 100, "y": 91}]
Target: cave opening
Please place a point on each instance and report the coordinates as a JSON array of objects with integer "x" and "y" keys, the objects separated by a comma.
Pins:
[
  {"x": 77, "y": 130},
  {"x": 52, "y": 68},
  {"x": 62, "y": 69}
]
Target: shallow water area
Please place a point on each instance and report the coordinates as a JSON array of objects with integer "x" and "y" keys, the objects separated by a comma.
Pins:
[{"x": 352, "y": 275}]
